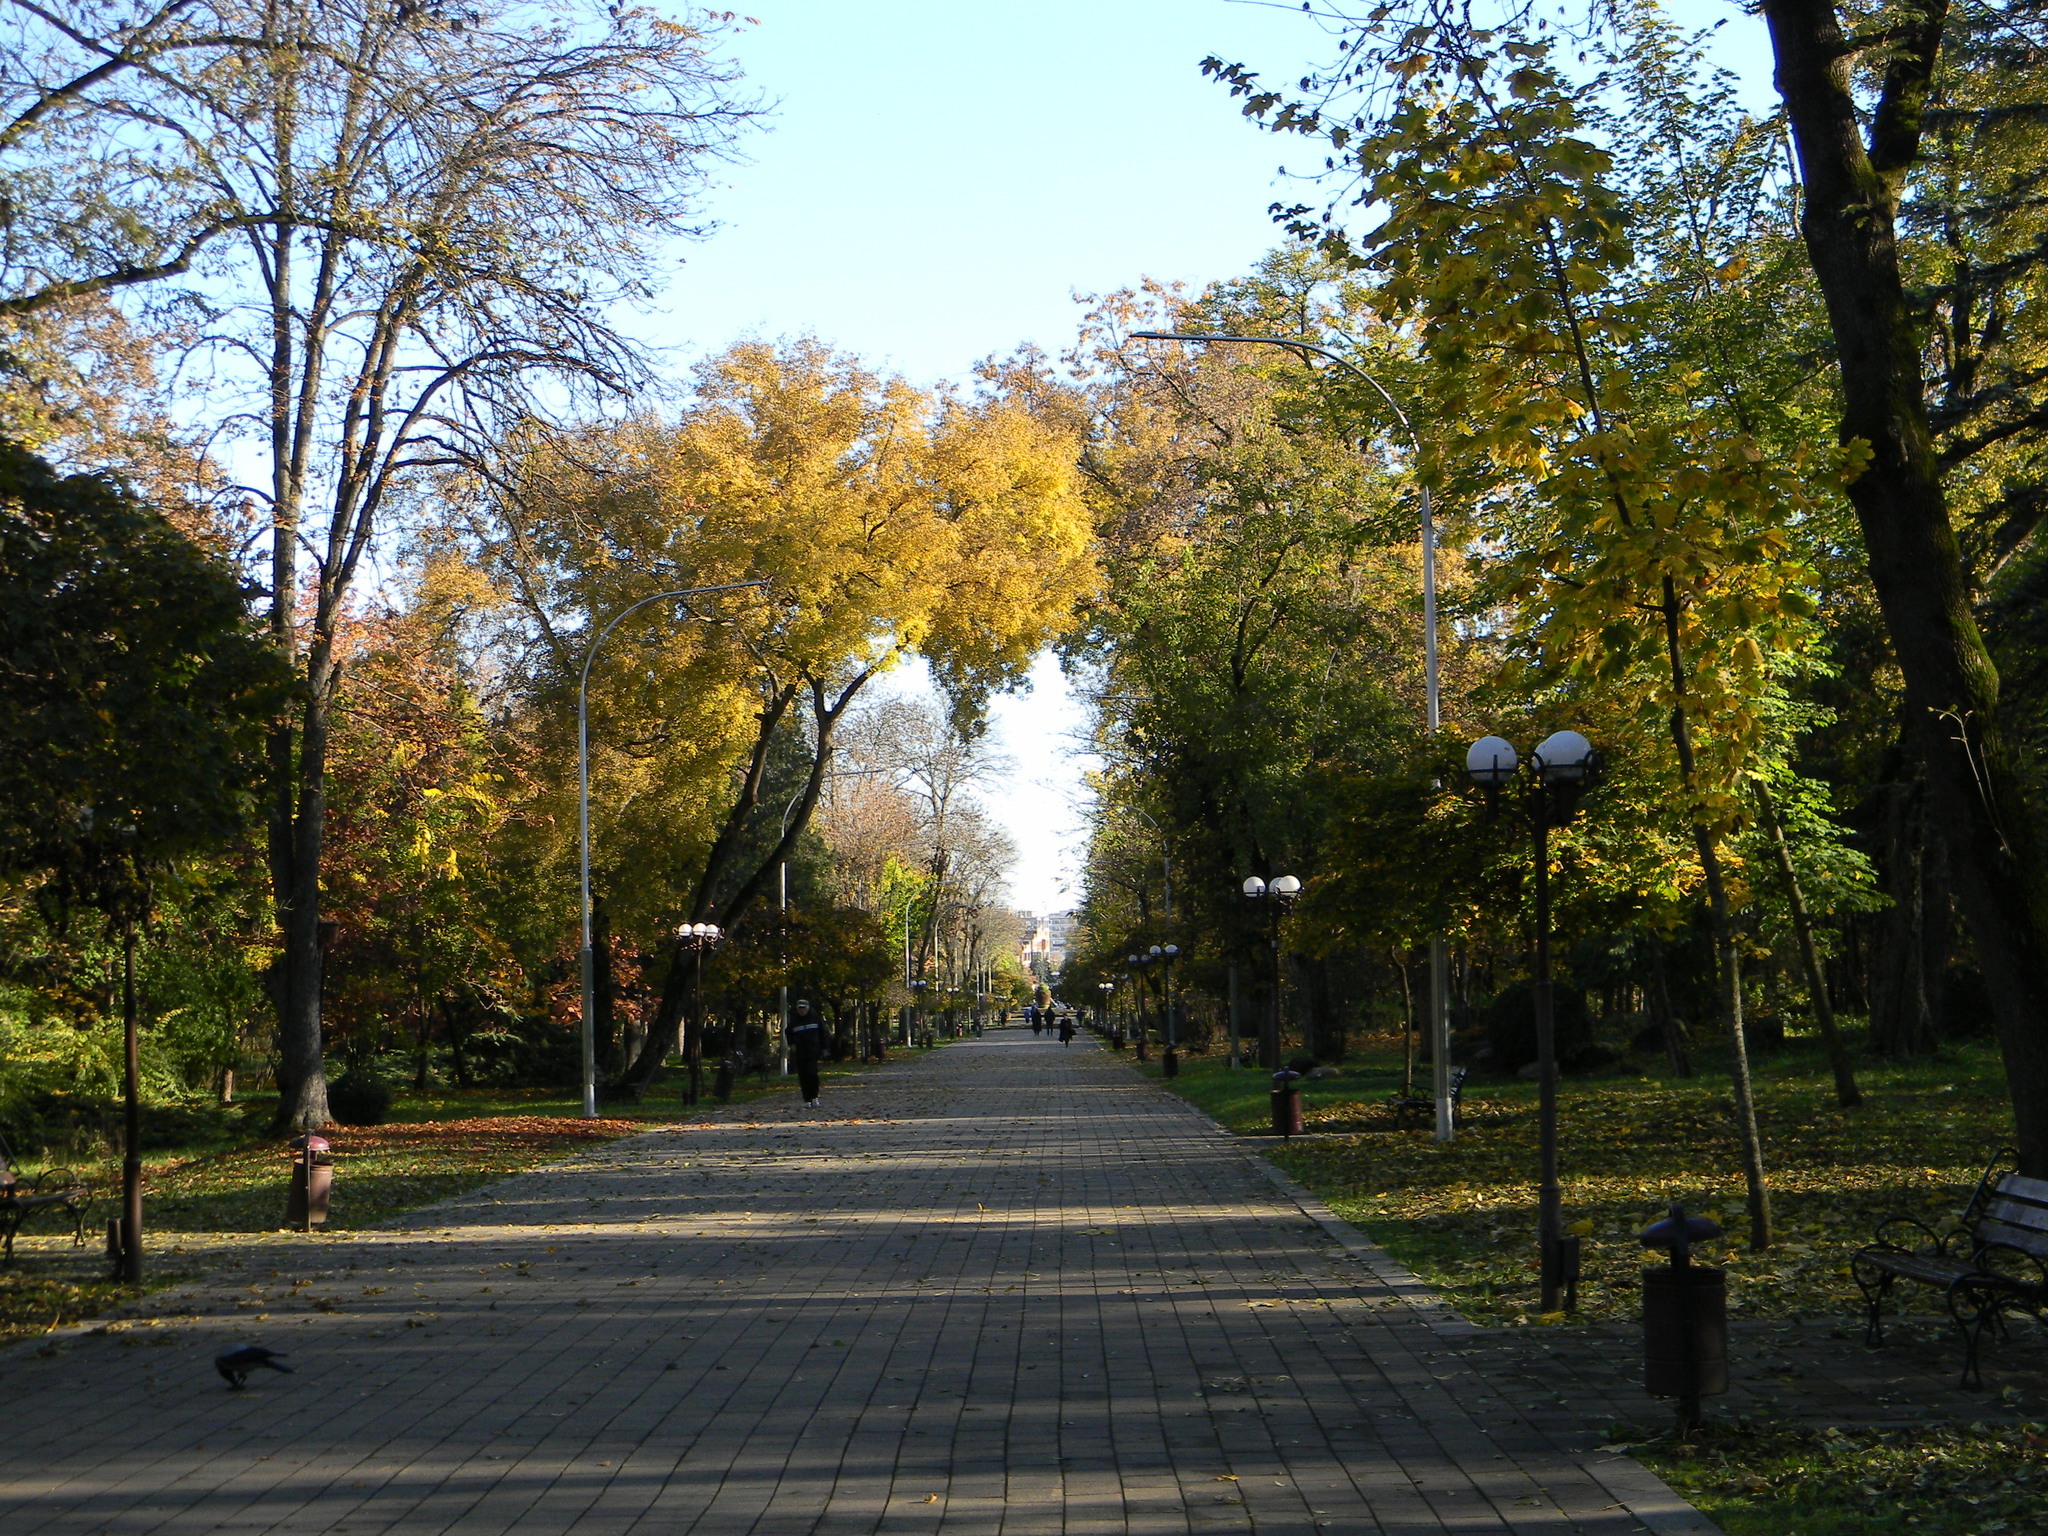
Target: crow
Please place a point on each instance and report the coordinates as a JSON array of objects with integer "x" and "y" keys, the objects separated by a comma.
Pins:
[{"x": 236, "y": 1364}]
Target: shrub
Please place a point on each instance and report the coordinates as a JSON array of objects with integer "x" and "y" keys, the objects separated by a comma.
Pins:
[
  {"x": 1511, "y": 1026},
  {"x": 359, "y": 1098}
]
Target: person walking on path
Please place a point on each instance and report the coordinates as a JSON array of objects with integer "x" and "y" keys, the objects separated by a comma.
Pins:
[
  {"x": 1031, "y": 1017},
  {"x": 1066, "y": 1029},
  {"x": 806, "y": 1050}
]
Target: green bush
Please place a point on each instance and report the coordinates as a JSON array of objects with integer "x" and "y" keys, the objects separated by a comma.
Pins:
[
  {"x": 359, "y": 1098},
  {"x": 1511, "y": 1026}
]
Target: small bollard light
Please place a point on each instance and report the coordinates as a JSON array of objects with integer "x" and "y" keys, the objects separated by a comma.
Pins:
[
  {"x": 1685, "y": 1318},
  {"x": 1286, "y": 1099},
  {"x": 305, "y": 1203}
]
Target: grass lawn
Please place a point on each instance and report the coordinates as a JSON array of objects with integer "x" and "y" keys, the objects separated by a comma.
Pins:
[
  {"x": 1463, "y": 1217},
  {"x": 436, "y": 1144},
  {"x": 1776, "y": 1480}
]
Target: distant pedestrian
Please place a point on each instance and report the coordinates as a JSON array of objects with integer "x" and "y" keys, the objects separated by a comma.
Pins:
[
  {"x": 806, "y": 1050},
  {"x": 1031, "y": 1017},
  {"x": 1066, "y": 1029}
]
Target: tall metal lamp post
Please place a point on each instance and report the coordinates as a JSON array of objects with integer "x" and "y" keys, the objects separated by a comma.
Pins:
[
  {"x": 1102, "y": 1013},
  {"x": 1276, "y": 896},
  {"x": 1439, "y": 979},
  {"x": 583, "y": 821},
  {"x": 1561, "y": 769}
]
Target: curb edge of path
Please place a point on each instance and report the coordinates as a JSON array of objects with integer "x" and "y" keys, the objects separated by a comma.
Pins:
[{"x": 1651, "y": 1502}]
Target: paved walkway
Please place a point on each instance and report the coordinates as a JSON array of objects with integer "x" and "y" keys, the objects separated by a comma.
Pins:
[{"x": 1011, "y": 1290}]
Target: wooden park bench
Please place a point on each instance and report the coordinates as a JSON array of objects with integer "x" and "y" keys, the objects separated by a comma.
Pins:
[
  {"x": 1405, "y": 1104},
  {"x": 55, "y": 1189},
  {"x": 1995, "y": 1262}
]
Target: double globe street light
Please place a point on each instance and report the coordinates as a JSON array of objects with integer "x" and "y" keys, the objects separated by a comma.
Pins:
[
  {"x": 1276, "y": 896},
  {"x": 1561, "y": 769},
  {"x": 1163, "y": 956}
]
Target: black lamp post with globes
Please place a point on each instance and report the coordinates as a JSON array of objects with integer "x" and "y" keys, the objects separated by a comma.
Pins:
[
  {"x": 1561, "y": 769},
  {"x": 1276, "y": 896}
]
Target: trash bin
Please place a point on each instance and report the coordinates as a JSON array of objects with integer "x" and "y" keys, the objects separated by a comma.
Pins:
[
  {"x": 721, "y": 1080},
  {"x": 1169, "y": 1063},
  {"x": 1286, "y": 1103},
  {"x": 305, "y": 1204},
  {"x": 1685, "y": 1318}
]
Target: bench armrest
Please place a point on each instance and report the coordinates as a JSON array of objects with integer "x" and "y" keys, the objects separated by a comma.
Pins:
[
  {"x": 1934, "y": 1245},
  {"x": 2006, "y": 1262}
]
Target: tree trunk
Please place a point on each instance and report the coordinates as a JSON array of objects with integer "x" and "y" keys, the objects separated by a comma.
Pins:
[
  {"x": 1911, "y": 951},
  {"x": 827, "y": 712},
  {"x": 1728, "y": 963},
  {"x": 301, "y": 1078},
  {"x": 1846, "y": 1092},
  {"x": 604, "y": 991},
  {"x": 1848, "y": 217},
  {"x": 131, "y": 1116},
  {"x": 451, "y": 1029},
  {"x": 1668, "y": 1027}
]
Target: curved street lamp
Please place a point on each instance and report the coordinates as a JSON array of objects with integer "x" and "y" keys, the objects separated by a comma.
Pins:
[
  {"x": 583, "y": 820},
  {"x": 1561, "y": 769},
  {"x": 1439, "y": 980}
]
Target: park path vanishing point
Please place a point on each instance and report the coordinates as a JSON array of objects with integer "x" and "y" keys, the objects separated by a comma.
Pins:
[{"x": 1006, "y": 1288}]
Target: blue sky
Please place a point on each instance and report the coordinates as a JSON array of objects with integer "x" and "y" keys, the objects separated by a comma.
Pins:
[{"x": 940, "y": 177}]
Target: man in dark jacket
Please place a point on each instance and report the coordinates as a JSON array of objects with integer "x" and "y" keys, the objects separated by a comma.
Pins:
[{"x": 806, "y": 1050}]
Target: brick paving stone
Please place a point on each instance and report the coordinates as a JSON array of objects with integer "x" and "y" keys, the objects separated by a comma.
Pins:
[{"x": 1005, "y": 1287}]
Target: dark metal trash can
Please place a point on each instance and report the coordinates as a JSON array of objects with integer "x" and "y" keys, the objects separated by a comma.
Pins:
[
  {"x": 305, "y": 1202},
  {"x": 1685, "y": 1332},
  {"x": 1685, "y": 1318},
  {"x": 1286, "y": 1104}
]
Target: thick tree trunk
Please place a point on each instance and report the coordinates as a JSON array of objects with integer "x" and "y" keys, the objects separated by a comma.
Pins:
[
  {"x": 604, "y": 988},
  {"x": 827, "y": 712},
  {"x": 301, "y": 1078},
  {"x": 1848, "y": 218}
]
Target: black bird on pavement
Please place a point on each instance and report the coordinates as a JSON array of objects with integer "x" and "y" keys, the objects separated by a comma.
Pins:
[{"x": 236, "y": 1364}]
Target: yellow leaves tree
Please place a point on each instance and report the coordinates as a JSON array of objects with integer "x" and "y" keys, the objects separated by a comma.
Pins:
[
  {"x": 888, "y": 522},
  {"x": 1637, "y": 513}
]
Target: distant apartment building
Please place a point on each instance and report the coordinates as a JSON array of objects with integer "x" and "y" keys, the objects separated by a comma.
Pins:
[{"x": 1046, "y": 935}]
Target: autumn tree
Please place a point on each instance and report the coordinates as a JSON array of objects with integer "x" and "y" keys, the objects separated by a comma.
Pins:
[
  {"x": 1915, "y": 134},
  {"x": 431, "y": 213},
  {"x": 889, "y": 523}
]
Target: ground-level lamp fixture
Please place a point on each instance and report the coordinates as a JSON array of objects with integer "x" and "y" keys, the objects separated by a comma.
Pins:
[
  {"x": 1275, "y": 896},
  {"x": 583, "y": 820},
  {"x": 1561, "y": 769}
]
